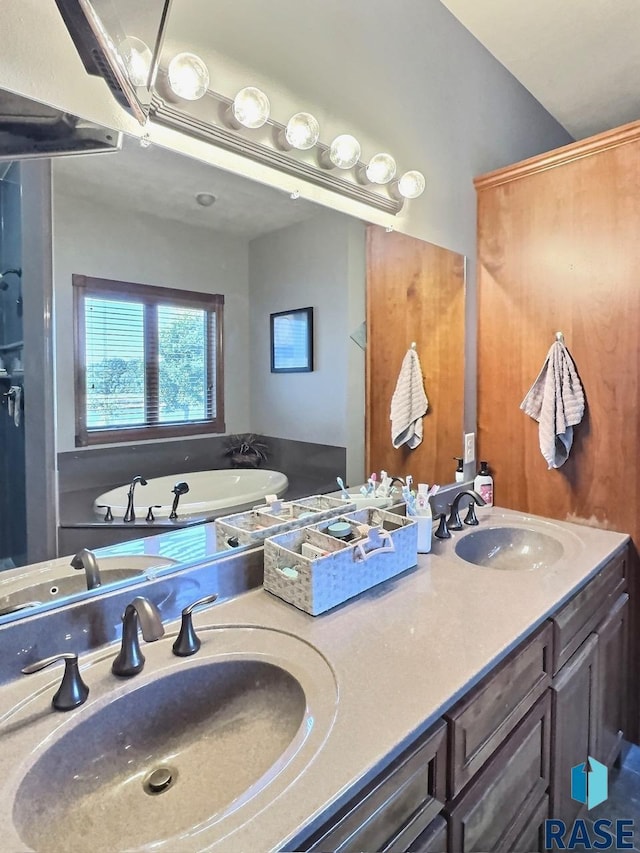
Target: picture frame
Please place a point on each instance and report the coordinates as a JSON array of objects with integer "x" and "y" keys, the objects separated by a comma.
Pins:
[{"x": 292, "y": 341}]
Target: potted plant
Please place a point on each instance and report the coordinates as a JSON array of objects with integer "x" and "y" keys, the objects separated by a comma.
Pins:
[{"x": 246, "y": 451}]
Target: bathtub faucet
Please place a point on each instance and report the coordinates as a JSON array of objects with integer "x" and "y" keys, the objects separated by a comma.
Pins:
[
  {"x": 178, "y": 490},
  {"x": 130, "y": 514}
]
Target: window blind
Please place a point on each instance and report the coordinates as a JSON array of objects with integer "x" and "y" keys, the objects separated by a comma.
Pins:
[{"x": 148, "y": 362}]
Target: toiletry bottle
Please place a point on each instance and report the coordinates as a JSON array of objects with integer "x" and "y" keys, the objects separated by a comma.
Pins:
[
  {"x": 423, "y": 519},
  {"x": 459, "y": 470},
  {"x": 483, "y": 484}
]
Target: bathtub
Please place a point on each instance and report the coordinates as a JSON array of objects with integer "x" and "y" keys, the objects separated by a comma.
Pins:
[{"x": 210, "y": 492}]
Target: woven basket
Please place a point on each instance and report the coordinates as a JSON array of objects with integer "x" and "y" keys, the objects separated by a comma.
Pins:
[
  {"x": 254, "y": 526},
  {"x": 315, "y": 585}
]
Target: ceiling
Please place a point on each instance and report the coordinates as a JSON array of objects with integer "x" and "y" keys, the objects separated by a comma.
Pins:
[
  {"x": 163, "y": 183},
  {"x": 579, "y": 58}
]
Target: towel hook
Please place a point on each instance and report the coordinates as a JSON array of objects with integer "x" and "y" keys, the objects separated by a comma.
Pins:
[
  {"x": 413, "y": 345},
  {"x": 560, "y": 337}
]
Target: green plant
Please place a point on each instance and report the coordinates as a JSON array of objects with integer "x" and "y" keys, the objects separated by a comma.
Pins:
[{"x": 246, "y": 451}]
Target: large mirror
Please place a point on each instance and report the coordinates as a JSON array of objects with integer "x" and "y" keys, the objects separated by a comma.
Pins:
[{"x": 150, "y": 216}]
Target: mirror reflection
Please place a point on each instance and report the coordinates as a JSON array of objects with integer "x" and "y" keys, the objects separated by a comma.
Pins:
[{"x": 154, "y": 218}]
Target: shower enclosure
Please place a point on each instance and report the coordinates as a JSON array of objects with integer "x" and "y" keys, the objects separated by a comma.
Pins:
[{"x": 13, "y": 522}]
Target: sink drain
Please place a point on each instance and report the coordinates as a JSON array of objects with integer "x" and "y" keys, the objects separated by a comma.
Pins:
[{"x": 159, "y": 780}]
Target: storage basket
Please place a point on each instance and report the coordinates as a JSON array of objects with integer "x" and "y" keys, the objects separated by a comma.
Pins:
[
  {"x": 387, "y": 546},
  {"x": 253, "y": 526}
]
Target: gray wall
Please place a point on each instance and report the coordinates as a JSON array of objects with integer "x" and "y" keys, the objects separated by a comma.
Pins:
[
  {"x": 91, "y": 238},
  {"x": 317, "y": 263}
]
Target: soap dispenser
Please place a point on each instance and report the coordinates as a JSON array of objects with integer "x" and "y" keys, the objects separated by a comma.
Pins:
[
  {"x": 483, "y": 484},
  {"x": 459, "y": 470}
]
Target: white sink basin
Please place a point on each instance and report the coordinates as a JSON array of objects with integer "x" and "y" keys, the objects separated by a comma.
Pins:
[{"x": 234, "y": 725}]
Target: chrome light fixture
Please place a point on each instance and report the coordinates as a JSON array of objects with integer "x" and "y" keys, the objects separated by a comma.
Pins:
[
  {"x": 243, "y": 126},
  {"x": 343, "y": 153},
  {"x": 410, "y": 185},
  {"x": 381, "y": 169},
  {"x": 188, "y": 76},
  {"x": 302, "y": 131},
  {"x": 250, "y": 108}
]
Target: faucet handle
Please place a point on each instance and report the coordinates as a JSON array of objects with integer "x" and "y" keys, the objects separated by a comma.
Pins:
[
  {"x": 72, "y": 691},
  {"x": 187, "y": 643},
  {"x": 470, "y": 517},
  {"x": 108, "y": 516},
  {"x": 150, "y": 515},
  {"x": 443, "y": 531},
  {"x": 453, "y": 522}
]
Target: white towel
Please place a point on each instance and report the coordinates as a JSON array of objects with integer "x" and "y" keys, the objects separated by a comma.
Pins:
[
  {"x": 408, "y": 404},
  {"x": 556, "y": 401}
]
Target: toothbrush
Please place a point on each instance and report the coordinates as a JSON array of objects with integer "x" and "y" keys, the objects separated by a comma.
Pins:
[
  {"x": 345, "y": 493},
  {"x": 411, "y": 505},
  {"x": 384, "y": 488}
]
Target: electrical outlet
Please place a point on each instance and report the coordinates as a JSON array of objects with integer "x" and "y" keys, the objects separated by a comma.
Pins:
[{"x": 469, "y": 447}]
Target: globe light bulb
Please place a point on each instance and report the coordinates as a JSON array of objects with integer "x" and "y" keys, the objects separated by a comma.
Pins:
[
  {"x": 344, "y": 151},
  {"x": 188, "y": 76},
  {"x": 302, "y": 131},
  {"x": 251, "y": 107},
  {"x": 411, "y": 184},
  {"x": 381, "y": 169},
  {"x": 137, "y": 58}
]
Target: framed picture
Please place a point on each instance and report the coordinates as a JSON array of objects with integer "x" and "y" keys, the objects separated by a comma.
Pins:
[{"x": 292, "y": 341}]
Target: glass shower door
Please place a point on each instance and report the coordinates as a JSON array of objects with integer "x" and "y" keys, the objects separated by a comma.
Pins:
[{"x": 13, "y": 523}]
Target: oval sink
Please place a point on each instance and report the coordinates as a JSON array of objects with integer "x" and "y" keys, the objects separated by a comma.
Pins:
[
  {"x": 215, "y": 730},
  {"x": 509, "y": 548},
  {"x": 112, "y": 570},
  {"x": 177, "y": 758},
  {"x": 58, "y": 588}
]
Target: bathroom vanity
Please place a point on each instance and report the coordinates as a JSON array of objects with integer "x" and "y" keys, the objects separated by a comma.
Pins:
[{"x": 441, "y": 710}]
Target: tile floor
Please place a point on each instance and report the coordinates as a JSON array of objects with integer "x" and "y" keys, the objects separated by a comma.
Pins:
[{"x": 624, "y": 794}]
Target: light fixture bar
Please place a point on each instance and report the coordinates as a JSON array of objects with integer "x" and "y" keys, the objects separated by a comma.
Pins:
[{"x": 177, "y": 118}]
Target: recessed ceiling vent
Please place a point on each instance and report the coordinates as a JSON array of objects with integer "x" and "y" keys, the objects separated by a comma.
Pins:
[{"x": 29, "y": 130}]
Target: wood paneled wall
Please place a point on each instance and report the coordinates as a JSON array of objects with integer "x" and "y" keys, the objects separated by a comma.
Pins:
[
  {"x": 415, "y": 292},
  {"x": 559, "y": 250}
]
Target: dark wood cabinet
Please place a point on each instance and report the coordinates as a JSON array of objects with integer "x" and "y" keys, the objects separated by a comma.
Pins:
[
  {"x": 611, "y": 686},
  {"x": 487, "y": 776},
  {"x": 495, "y": 808},
  {"x": 531, "y": 838},
  {"x": 433, "y": 839},
  {"x": 484, "y": 718},
  {"x": 583, "y": 613},
  {"x": 574, "y": 726},
  {"x": 396, "y": 807}
]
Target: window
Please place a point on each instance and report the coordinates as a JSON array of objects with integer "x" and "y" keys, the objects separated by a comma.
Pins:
[{"x": 148, "y": 361}]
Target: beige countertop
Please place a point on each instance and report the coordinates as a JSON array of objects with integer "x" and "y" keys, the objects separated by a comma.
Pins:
[{"x": 400, "y": 655}]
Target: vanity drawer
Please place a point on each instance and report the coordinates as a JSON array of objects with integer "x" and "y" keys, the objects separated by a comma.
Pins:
[
  {"x": 394, "y": 809},
  {"x": 485, "y": 717},
  {"x": 581, "y": 615},
  {"x": 433, "y": 839},
  {"x": 503, "y": 799}
]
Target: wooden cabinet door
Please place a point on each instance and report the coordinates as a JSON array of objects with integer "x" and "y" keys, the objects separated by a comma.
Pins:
[
  {"x": 497, "y": 806},
  {"x": 574, "y": 726},
  {"x": 612, "y": 686}
]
